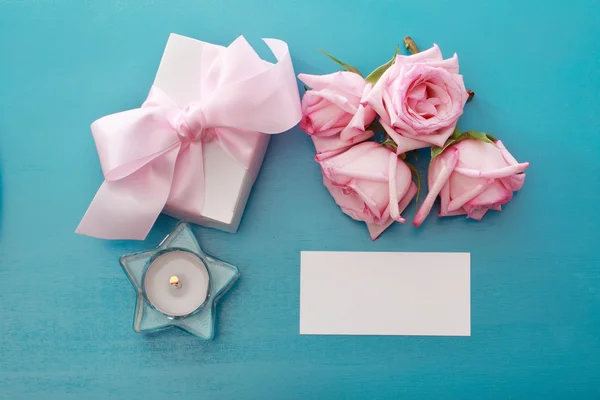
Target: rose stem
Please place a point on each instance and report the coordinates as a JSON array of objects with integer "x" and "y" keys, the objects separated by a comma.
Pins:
[
  {"x": 471, "y": 94},
  {"x": 410, "y": 45}
]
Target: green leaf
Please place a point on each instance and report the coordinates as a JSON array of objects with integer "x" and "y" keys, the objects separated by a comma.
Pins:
[
  {"x": 343, "y": 64},
  {"x": 491, "y": 137},
  {"x": 479, "y": 136},
  {"x": 378, "y": 72},
  {"x": 456, "y": 134},
  {"x": 390, "y": 144},
  {"x": 417, "y": 176},
  {"x": 436, "y": 151}
]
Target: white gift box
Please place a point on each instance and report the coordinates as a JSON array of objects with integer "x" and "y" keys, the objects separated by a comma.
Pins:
[{"x": 194, "y": 148}]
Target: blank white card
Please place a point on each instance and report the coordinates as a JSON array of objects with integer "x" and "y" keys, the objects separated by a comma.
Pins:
[{"x": 364, "y": 293}]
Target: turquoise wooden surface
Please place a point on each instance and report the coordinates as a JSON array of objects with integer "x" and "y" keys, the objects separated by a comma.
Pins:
[{"x": 66, "y": 308}]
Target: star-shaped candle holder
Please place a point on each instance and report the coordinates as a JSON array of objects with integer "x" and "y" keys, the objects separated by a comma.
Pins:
[{"x": 178, "y": 284}]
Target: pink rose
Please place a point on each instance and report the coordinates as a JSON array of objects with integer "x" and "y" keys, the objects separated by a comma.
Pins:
[
  {"x": 419, "y": 99},
  {"x": 335, "y": 112},
  {"x": 370, "y": 184},
  {"x": 471, "y": 178}
]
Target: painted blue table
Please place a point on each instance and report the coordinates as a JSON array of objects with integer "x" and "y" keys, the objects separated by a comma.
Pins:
[{"x": 66, "y": 308}]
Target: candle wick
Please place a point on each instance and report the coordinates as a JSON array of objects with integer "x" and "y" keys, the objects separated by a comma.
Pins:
[{"x": 174, "y": 281}]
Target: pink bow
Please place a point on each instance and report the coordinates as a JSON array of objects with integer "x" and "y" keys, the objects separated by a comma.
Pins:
[{"x": 153, "y": 155}]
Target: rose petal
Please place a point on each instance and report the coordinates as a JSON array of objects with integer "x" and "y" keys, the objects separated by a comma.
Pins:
[
  {"x": 461, "y": 200},
  {"x": 445, "y": 200},
  {"x": 404, "y": 143},
  {"x": 346, "y": 103},
  {"x": 399, "y": 185},
  {"x": 375, "y": 96},
  {"x": 447, "y": 160},
  {"x": 495, "y": 193},
  {"x": 419, "y": 92},
  {"x": 477, "y": 212},
  {"x": 377, "y": 229},
  {"x": 363, "y": 117},
  {"x": 514, "y": 182},
  {"x": 405, "y": 201},
  {"x": 330, "y": 146},
  {"x": 460, "y": 184},
  {"x": 507, "y": 156},
  {"x": 432, "y": 54},
  {"x": 498, "y": 173},
  {"x": 438, "y": 139},
  {"x": 449, "y": 64},
  {"x": 343, "y": 81},
  {"x": 372, "y": 194},
  {"x": 367, "y": 160},
  {"x": 425, "y": 109},
  {"x": 481, "y": 156},
  {"x": 350, "y": 204}
]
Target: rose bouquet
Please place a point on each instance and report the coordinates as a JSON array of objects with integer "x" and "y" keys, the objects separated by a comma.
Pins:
[{"x": 362, "y": 129}]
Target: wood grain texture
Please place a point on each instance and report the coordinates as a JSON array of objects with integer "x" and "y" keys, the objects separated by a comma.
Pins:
[{"x": 66, "y": 308}]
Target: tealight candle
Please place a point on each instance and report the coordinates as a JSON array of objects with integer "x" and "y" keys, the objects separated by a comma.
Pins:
[{"x": 176, "y": 283}]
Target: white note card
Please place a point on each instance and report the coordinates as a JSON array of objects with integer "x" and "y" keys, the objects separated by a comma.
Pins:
[{"x": 369, "y": 293}]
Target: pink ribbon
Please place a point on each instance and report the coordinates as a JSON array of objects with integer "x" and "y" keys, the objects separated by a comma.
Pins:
[{"x": 153, "y": 155}]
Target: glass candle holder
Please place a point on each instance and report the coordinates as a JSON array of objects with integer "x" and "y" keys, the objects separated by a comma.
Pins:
[{"x": 177, "y": 285}]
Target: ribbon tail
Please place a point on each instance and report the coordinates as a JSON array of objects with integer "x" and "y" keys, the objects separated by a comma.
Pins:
[
  {"x": 127, "y": 208},
  {"x": 188, "y": 188}
]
